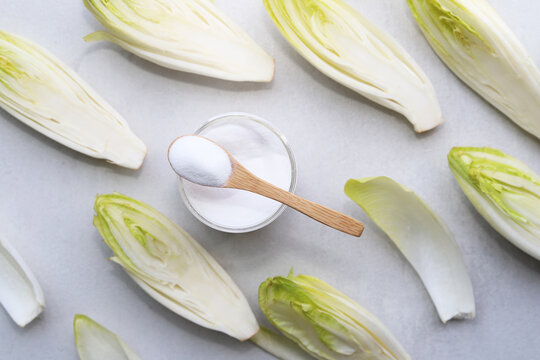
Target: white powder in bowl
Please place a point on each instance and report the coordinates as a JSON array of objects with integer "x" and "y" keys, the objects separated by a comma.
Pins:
[
  {"x": 200, "y": 161},
  {"x": 263, "y": 153}
]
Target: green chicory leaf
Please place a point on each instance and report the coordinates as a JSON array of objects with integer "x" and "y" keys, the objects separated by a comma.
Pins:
[
  {"x": 43, "y": 93},
  {"x": 476, "y": 44},
  {"x": 346, "y": 47},
  {"x": 505, "y": 191},
  {"x": 171, "y": 267},
  {"x": 186, "y": 35},
  {"x": 324, "y": 322}
]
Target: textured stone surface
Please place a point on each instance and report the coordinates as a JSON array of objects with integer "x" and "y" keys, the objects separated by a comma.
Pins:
[{"x": 48, "y": 192}]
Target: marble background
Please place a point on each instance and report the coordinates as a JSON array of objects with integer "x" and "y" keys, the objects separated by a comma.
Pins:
[{"x": 47, "y": 193}]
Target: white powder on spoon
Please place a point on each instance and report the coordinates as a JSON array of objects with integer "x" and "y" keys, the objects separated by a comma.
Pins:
[
  {"x": 200, "y": 161},
  {"x": 259, "y": 150}
]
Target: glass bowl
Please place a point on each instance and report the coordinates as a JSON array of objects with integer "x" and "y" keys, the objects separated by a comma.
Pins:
[{"x": 187, "y": 189}]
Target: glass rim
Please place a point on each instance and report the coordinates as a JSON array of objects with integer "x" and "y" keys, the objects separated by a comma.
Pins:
[{"x": 292, "y": 186}]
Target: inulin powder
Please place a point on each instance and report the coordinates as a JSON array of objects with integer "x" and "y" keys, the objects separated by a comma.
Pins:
[{"x": 263, "y": 153}]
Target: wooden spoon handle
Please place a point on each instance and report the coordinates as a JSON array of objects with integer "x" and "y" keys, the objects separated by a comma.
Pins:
[{"x": 244, "y": 180}]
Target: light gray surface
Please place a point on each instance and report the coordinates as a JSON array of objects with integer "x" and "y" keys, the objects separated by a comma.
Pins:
[{"x": 48, "y": 193}]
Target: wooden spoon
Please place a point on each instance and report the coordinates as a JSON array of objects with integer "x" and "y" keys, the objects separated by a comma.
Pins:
[{"x": 242, "y": 179}]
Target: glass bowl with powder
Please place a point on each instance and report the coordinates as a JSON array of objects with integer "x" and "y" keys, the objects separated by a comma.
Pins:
[{"x": 262, "y": 150}]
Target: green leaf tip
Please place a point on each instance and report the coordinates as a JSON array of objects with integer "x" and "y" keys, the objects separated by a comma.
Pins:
[
  {"x": 495, "y": 174},
  {"x": 455, "y": 28},
  {"x": 475, "y": 43},
  {"x": 169, "y": 265},
  {"x": 95, "y": 342},
  {"x": 345, "y": 46},
  {"x": 42, "y": 92},
  {"x": 324, "y": 322},
  {"x": 504, "y": 190}
]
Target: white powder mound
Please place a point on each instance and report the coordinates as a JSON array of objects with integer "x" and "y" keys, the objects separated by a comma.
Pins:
[
  {"x": 261, "y": 152},
  {"x": 200, "y": 161}
]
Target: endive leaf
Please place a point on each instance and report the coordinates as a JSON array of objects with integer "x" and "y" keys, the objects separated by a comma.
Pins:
[
  {"x": 505, "y": 191},
  {"x": 422, "y": 238},
  {"x": 43, "y": 93},
  {"x": 171, "y": 267},
  {"x": 345, "y": 46},
  {"x": 476, "y": 44},
  {"x": 94, "y": 342},
  {"x": 324, "y": 322},
  {"x": 20, "y": 293},
  {"x": 186, "y": 35}
]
